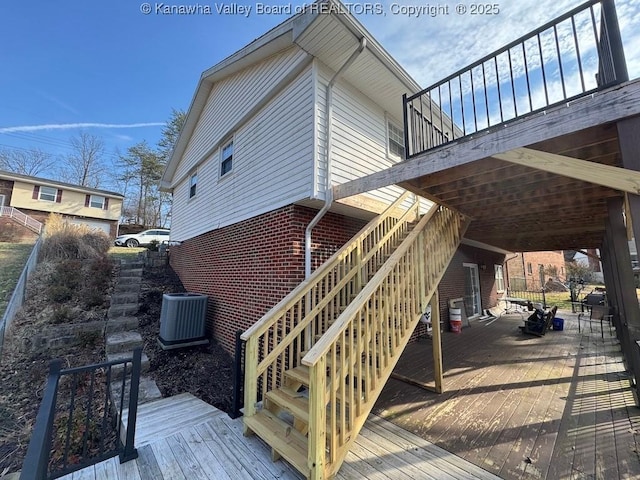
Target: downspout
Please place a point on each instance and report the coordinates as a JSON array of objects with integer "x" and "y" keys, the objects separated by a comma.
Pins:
[{"x": 328, "y": 199}]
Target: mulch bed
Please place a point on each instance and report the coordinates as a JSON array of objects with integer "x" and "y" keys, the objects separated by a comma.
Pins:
[{"x": 205, "y": 371}]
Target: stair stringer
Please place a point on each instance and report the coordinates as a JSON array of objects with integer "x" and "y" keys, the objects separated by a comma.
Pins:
[{"x": 397, "y": 307}]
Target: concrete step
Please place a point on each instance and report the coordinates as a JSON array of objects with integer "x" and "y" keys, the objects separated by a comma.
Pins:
[
  {"x": 122, "y": 342},
  {"x": 131, "y": 266},
  {"x": 123, "y": 298},
  {"x": 129, "y": 280},
  {"x": 147, "y": 392},
  {"x": 122, "y": 324},
  {"x": 127, "y": 288},
  {"x": 123, "y": 310},
  {"x": 118, "y": 370},
  {"x": 131, "y": 273}
]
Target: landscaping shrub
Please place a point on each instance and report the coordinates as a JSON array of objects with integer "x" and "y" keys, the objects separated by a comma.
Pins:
[{"x": 64, "y": 240}]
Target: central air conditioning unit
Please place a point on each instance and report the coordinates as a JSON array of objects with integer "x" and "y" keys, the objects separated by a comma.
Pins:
[{"x": 183, "y": 320}]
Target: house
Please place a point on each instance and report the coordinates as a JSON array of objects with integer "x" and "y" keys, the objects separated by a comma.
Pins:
[
  {"x": 531, "y": 270},
  {"x": 32, "y": 199},
  {"x": 271, "y": 131},
  {"x": 313, "y": 103}
]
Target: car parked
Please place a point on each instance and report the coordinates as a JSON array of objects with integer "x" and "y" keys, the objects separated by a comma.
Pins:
[{"x": 143, "y": 238}]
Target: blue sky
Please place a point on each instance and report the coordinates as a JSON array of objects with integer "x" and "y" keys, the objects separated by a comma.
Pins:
[{"x": 69, "y": 63}]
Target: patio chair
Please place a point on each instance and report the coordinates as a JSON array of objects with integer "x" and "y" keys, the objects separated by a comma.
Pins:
[
  {"x": 598, "y": 313},
  {"x": 539, "y": 322}
]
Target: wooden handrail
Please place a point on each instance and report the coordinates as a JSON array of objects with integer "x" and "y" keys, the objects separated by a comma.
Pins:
[
  {"x": 276, "y": 342},
  {"x": 321, "y": 347},
  {"x": 350, "y": 363},
  {"x": 261, "y": 325}
]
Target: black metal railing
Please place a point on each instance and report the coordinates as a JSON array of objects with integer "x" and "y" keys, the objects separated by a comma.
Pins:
[
  {"x": 84, "y": 428},
  {"x": 567, "y": 58},
  {"x": 238, "y": 377}
]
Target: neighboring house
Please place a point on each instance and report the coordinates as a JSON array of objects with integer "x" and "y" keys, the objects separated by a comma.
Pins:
[
  {"x": 531, "y": 270},
  {"x": 39, "y": 197},
  {"x": 313, "y": 103}
]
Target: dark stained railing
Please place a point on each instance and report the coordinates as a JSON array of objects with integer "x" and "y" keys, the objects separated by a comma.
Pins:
[
  {"x": 85, "y": 428},
  {"x": 570, "y": 57}
]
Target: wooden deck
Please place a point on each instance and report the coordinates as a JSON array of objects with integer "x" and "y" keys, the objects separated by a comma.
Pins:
[
  {"x": 556, "y": 407},
  {"x": 184, "y": 438}
]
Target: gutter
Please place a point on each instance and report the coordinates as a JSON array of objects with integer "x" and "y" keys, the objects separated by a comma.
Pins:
[{"x": 328, "y": 199}]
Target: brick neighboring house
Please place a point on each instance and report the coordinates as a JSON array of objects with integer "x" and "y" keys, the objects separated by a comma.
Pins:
[
  {"x": 313, "y": 103},
  {"x": 39, "y": 197},
  {"x": 523, "y": 269}
]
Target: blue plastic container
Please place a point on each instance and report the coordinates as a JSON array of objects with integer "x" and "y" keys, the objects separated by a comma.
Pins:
[{"x": 558, "y": 323}]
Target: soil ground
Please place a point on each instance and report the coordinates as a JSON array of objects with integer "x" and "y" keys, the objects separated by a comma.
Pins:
[{"x": 204, "y": 371}]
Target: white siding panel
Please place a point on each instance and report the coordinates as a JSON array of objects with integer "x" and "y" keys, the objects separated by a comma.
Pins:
[
  {"x": 272, "y": 167},
  {"x": 230, "y": 99},
  {"x": 359, "y": 138}
]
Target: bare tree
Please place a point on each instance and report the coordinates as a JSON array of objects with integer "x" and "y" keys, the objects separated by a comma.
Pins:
[
  {"x": 85, "y": 165},
  {"x": 32, "y": 162}
]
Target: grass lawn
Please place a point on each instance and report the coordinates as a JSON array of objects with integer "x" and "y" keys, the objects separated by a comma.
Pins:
[
  {"x": 13, "y": 257},
  {"x": 125, "y": 253}
]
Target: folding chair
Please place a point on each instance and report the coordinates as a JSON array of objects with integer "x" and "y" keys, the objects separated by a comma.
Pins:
[{"x": 598, "y": 313}]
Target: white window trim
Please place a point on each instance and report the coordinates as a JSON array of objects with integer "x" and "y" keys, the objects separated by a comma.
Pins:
[
  {"x": 40, "y": 191},
  {"x": 225, "y": 144},
  {"x": 91, "y": 201},
  {"x": 3, "y": 199},
  {"x": 499, "y": 268},
  {"x": 192, "y": 185},
  {"x": 390, "y": 122}
]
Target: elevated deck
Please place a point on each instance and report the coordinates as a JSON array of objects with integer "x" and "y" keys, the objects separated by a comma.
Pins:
[
  {"x": 524, "y": 407},
  {"x": 184, "y": 438}
]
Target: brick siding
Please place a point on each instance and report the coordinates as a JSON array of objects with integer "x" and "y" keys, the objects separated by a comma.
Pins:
[
  {"x": 517, "y": 268},
  {"x": 452, "y": 284},
  {"x": 248, "y": 267}
]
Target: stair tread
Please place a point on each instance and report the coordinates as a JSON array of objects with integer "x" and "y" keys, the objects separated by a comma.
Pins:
[
  {"x": 299, "y": 373},
  {"x": 281, "y": 437},
  {"x": 295, "y": 403}
]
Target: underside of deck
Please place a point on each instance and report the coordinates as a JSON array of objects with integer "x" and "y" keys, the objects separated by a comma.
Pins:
[
  {"x": 530, "y": 204},
  {"x": 558, "y": 406}
]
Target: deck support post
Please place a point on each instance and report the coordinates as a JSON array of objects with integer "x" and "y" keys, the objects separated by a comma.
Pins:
[
  {"x": 628, "y": 307},
  {"x": 437, "y": 342},
  {"x": 630, "y": 151}
]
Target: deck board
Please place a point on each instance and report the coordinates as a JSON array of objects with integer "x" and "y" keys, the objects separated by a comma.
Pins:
[
  {"x": 557, "y": 406},
  {"x": 563, "y": 401}
]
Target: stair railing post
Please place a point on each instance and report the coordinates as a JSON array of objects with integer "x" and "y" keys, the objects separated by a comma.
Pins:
[
  {"x": 250, "y": 378},
  {"x": 317, "y": 419},
  {"x": 129, "y": 452}
]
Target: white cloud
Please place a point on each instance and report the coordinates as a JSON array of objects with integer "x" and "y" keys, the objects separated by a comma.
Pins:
[
  {"x": 431, "y": 48},
  {"x": 71, "y": 126}
]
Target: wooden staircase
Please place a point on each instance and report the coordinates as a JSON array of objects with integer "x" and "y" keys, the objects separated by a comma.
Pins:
[{"x": 316, "y": 363}]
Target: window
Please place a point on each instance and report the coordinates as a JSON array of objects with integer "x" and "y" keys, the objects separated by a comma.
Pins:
[
  {"x": 48, "y": 194},
  {"x": 499, "y": 278},
  {"x": 226, "y": 159},
  {"x": 2, "y": 200},
  {"x": 193, "y": 185},
  {"x": 96, "y": 201},
  {"x": 529, "y": 269},
  {"x": 396, "y": 140}
]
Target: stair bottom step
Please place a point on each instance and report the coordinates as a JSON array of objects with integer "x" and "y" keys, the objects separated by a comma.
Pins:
[{"x": 281, "y": 437}]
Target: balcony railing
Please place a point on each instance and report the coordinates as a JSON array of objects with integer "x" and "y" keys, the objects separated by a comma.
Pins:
[
  {"x": 21, "y": 218},
  {"x": 84, "y": 427},
  {"x": 570, "y": 57}
]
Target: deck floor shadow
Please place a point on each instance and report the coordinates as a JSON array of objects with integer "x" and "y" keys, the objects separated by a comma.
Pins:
[{"x": 522, "y": 407}]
